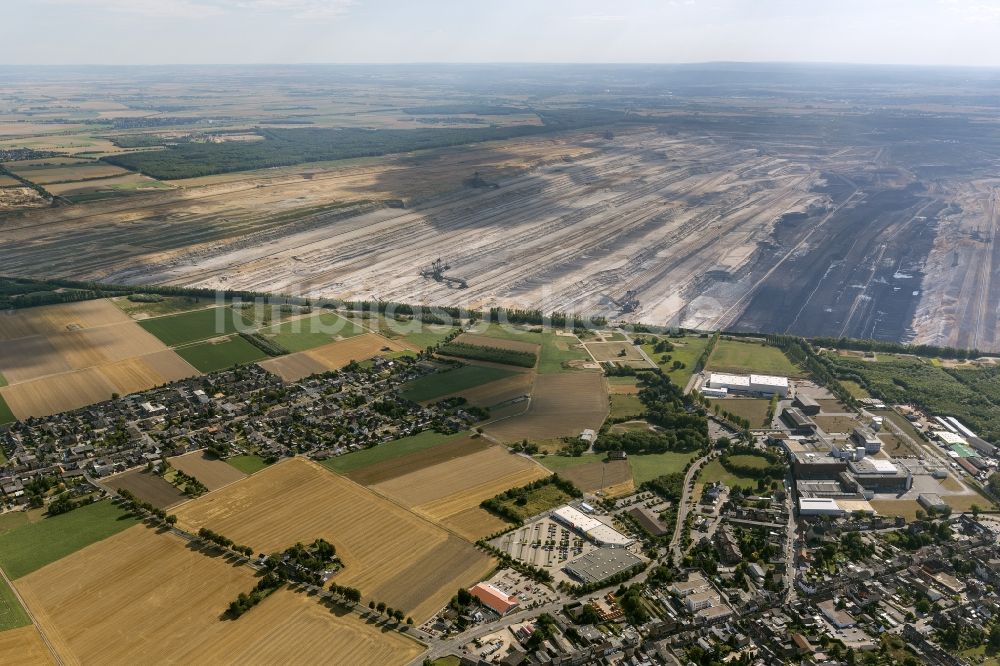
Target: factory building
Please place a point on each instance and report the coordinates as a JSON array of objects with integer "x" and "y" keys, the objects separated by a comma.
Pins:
[
  {"x": 591, "y": 528},
  {"x": 753, "y": 384},
  {"x": 819, "y": 506},
  {"x": 808, "y": 465},
  {"x": 797, "y": 421},
  {"x": 881, "y": 476},
  {"x": 806, "y": 405},
  {"x": 865, "y": 438}
]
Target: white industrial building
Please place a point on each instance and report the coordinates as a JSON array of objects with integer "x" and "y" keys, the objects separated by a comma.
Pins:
[
  {"x": 757, "y": 384},
  {"x": 949, "y": 438},
  {"x": 819, "y": 506},
  {"x": 590, "y": 527}
]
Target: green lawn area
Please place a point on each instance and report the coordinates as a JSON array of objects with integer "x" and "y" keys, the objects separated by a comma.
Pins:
[
  {"x": 855, "y": 389},
  {"x": 450, "y": 660},
  {"x": 624, "y": 405},
  {"x": 32, "y": 546},
  {"x": 388, "y": 450},
  {"x": 308, "y": 332},
  {"x": 12, "y": 614},
  {"x": 3, "y": 380},
  {"x": 451, "y": 381},
  {"x": 191, "y": 326},
  {"x": 686, "y": 350},
  {"x": 6, "y": 416},
  {"x": 212, "y": 356},
  {"x": 169, "y": 305},
  {"x": 648, "y": 467},
  {"x": 559, "y": 463},
  {"x": 429, "y": 336},
  {"x": 247, "y": 464},
  {"x": 744, "y": 357},
  {"x": 714, "y": 471},
  {"x": 423, "y": 336},
  {"x": 539, "y": 500},
  {"x": 753, "y": 410},
  {"x": 556, "y": 349}
]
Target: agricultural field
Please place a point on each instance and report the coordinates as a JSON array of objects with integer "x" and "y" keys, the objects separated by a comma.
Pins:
[
  {"x": 312, "y": 331},
  {"x": 47, "y": 174},
  {"x": 753, "y": 410},
  {"x": 559, "y": 351},
  {"x": 332, "y": 356},
  {"x": 499, "y": 343},
  {"x": 59, "y": 357},
  {"x": 687, "y": 350},
  {"x": 619, "y": 352},
  {"x": 613, "y": 477},
  {"x": 452, "y": 381},
  {"x": 219, "y": 354},
  {"x": 12, "y": 615},
  {"x": 745, "y": 357},
  {"x": 212, "y": 472},
  {"x": 24, "y": 647},
  {"x": 92, "y": 609},
  {"x": 6, "y": 416},
  {"x": 391, "y": 467},
  {"x": 622, "y": 385},
  {"x": 449, "y": 493},
  {"x": 390, "y": 553},
  {"x": 146, "y": 486},
  {"x": 388, "y": 451},
  {"x": 562, "y": 404},
  {"x": 34, "y": 545},
  {"x": 836, "y": 424},
  {"x": 514, "y": 388},
  {"x": 179, "y": 329}
]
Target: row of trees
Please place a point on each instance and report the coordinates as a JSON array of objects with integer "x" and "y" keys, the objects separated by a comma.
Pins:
[
  {"x": 137, "y": 507},
  {"x": 266, "y": 345},
  {"x": 504, "y": 505},
  {"x": 65, "y": 503},
  {"x": 206, "y": 534},
  {"x": 523, "y": 359},
  {"x": 268, "y": 583}
]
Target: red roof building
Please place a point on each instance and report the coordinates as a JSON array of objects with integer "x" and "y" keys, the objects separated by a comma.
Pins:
[{"x": 493, "y": 597}]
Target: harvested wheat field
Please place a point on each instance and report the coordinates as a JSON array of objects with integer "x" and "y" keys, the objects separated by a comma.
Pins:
[
  {"x": 562, "y": 405},
  {"x": 145, "y": 597},
  {"x": 390, "y": 553},
  {"x": 450, "y": 493},
  {"x": 333, "y": 356},
  {"x": 147, "y": 486},
  {"x": 24, "y": 647},
  {"x": 590, "y": 477},
  {"x": 499, "y": 343},
  {"x": 48, "y": 319},
  {"x": 502, "y": 390},
  {"x": 212, "y": 472},
  {"x": 393, "y": 467}
]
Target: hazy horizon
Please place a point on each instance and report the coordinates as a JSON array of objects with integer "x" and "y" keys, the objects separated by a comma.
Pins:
[{"x": 233, "y": 32}]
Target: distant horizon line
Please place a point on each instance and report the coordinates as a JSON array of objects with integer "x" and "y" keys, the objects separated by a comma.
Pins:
[{"x": 515, "y": 63}]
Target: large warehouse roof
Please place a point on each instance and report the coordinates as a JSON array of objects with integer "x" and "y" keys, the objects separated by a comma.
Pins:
[
  {"x": 729, "y": 380},
  {"x": 769, "y": 380},
  {"x": 594, "y": 529}
]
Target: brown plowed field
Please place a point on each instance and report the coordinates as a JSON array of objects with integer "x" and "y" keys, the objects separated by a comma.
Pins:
[
  {"x": 146, "y": 486},
  {"x": 499, "y": 343},
  {"x": 24, "y": 647},
  {"x": 450, "y": 493},
  {"x": 333, "y": 356},
  {"x": 562, "y": 405},
  {"x": 145, "y": 597},
  {"x": 502, "y": 390},
  {"x": 212, "y": 472},
  {"x": 390, "y": 553},
  {"x": 588, "y": 477},
  {"x": 390, "y": 469}
]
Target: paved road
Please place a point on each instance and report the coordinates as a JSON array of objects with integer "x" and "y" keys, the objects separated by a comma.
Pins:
[{"x": 682, "y": 509}]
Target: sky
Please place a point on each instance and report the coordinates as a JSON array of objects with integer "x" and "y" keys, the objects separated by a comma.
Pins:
[{"x": 915, "y": 32}]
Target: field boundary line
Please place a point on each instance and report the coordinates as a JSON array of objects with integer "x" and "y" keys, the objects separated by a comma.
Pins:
[{"x": 56, "y": 657}]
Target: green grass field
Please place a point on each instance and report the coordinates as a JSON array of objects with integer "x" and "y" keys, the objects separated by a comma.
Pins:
[
  {"x": 3, "y": 380},
  {"x": 714, "y": 471},
  {"x": 191, "y": 326},
  {"x": 309, "y": 332},
  {"x": 212, "y": 356},
  {"x": 625, "y": 405},
  {"x": 648, "y": 467},
  {"x": 743, "y": 357},
  {"x": 32, "y": 546},
  {"x": 856, "y": 390},
  {"x": 686, "y": 350},
  {"x": 451, "y": 381},
  {"x": 556, "y": 349},
  {"x": 247, "y": 464},
  {"x": 6, "y": 416},
  {"x": 430, "y": 336},
  {"x": 388, "y": 450},
  {"x": 12, "y": 614},
  {"x": 169, "y": 305},
  {"x": 752, "y": 409}
]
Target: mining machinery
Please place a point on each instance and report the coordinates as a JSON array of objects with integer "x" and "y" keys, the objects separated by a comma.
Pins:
[
  {"x": 436, "y": 271},
  {"x": 627, "y": 303}
]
